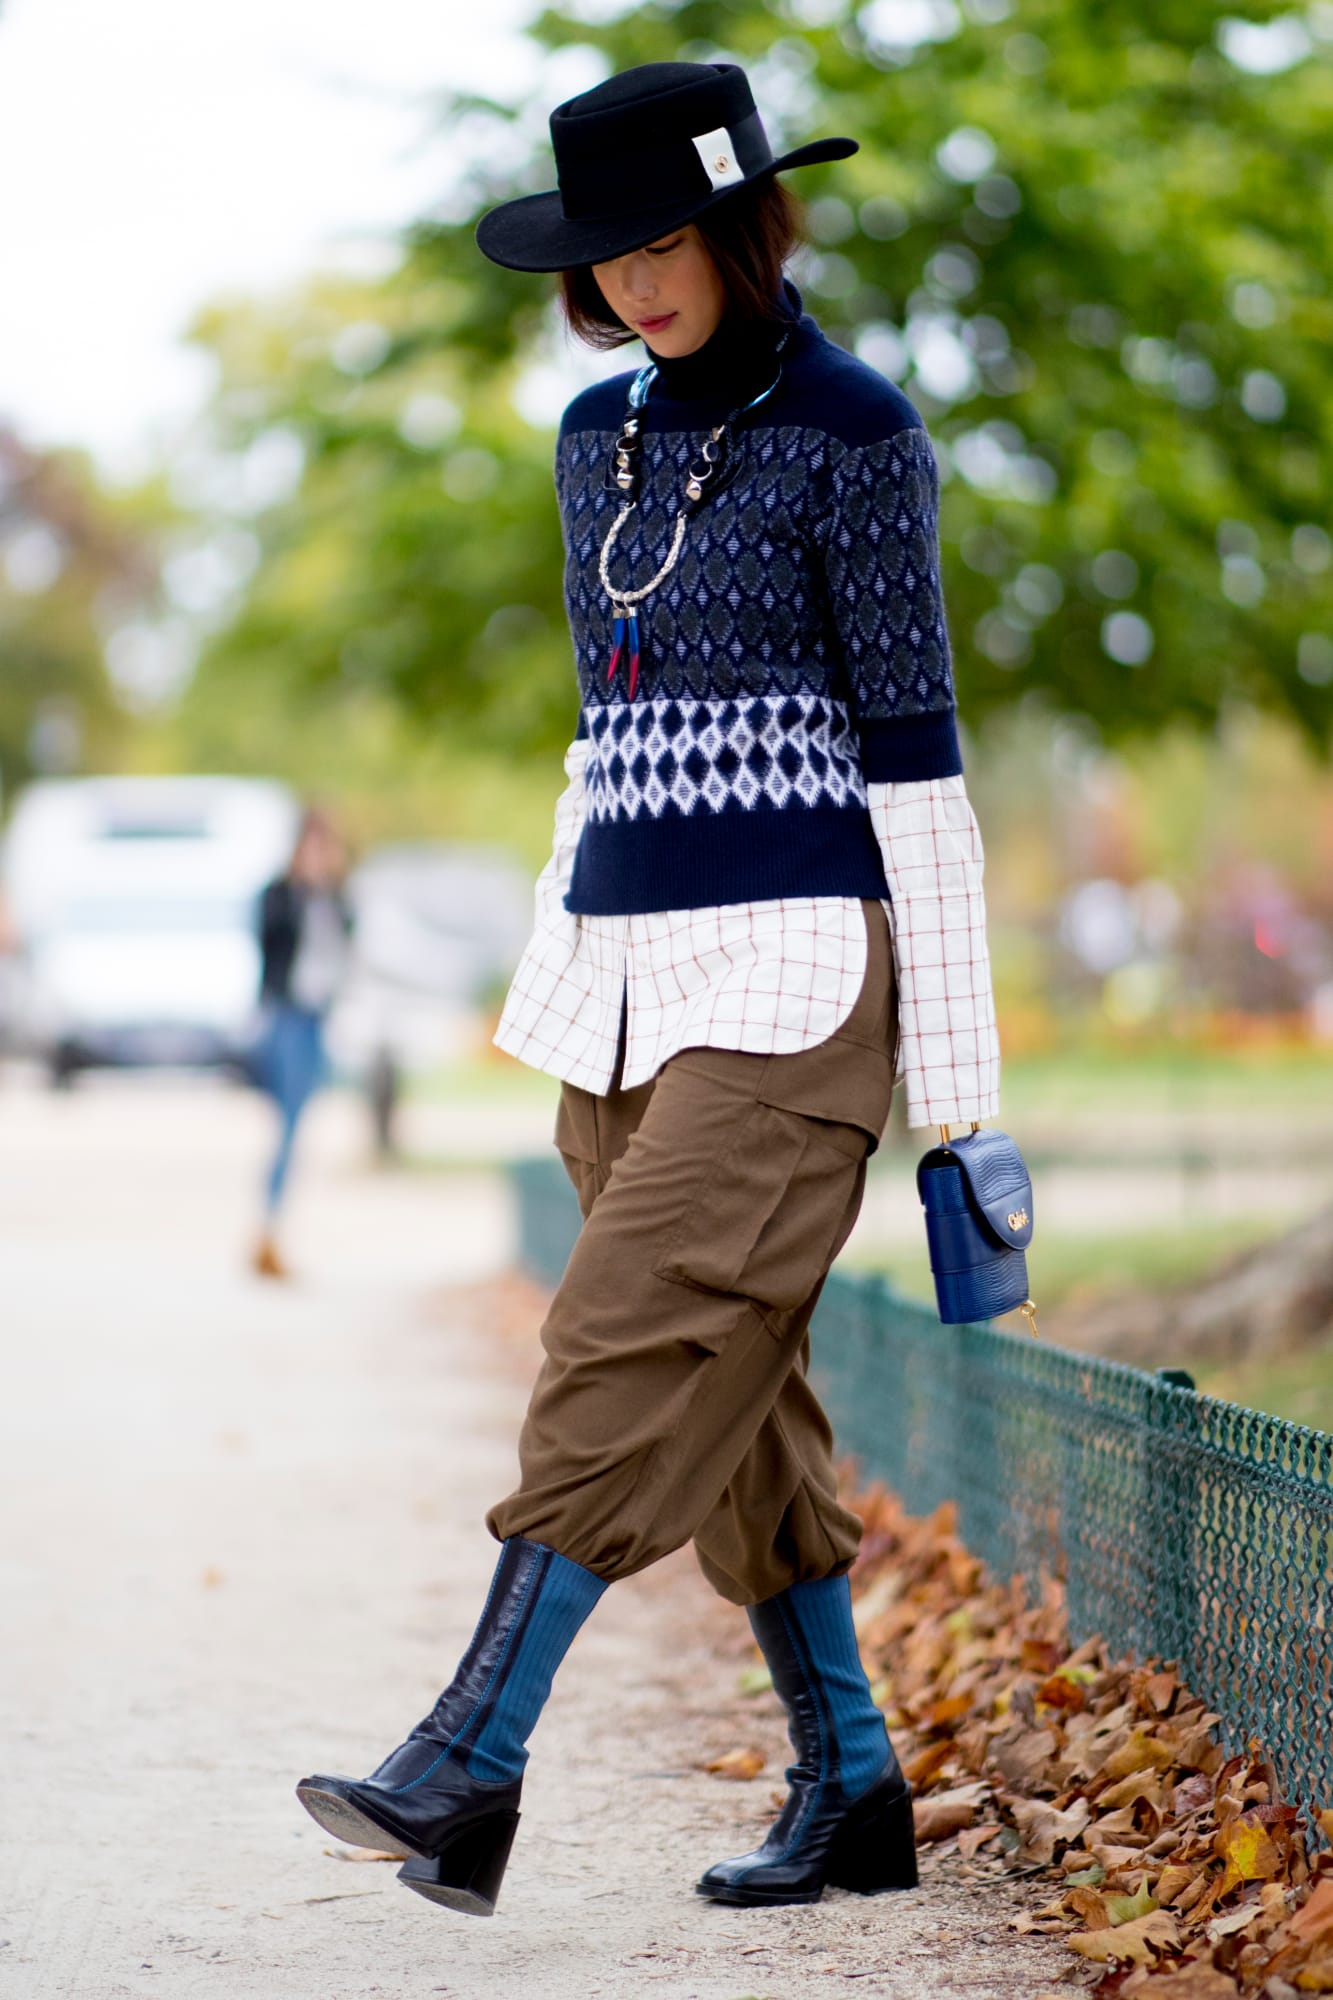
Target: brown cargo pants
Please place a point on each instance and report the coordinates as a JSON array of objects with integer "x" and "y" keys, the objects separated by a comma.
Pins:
[{"x": 673, "y": 1402}]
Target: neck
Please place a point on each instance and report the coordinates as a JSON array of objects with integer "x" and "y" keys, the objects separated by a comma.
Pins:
[{"x": 734, "y": 361}]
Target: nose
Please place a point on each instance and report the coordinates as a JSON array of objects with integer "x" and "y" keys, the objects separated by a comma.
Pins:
[{"x": 638, "y": 279}]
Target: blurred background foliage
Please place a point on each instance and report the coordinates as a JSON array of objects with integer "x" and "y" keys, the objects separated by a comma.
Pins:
[
  {"x": 79, "y": 576},
  {"x": 1091, "y": 243}
]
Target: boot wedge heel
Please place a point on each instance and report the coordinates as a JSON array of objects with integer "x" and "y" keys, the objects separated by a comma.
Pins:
[
  {"x": 877, "y": 1851},
  {"x": 467, "y": 1872}
]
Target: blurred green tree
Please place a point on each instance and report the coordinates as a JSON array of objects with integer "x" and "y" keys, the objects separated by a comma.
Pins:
[
  {"x": 1091, "y": 243},
  {"x": 77, "y": 571},
  {"x": 410, "y": 547}
]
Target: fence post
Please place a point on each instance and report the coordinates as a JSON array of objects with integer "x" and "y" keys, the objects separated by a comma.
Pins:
[{"x": 1172, "y": 1615}]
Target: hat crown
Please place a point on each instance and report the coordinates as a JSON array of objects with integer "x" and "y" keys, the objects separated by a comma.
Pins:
[
  {"x": 642, "y": 107},
  {"x": 639, "y": 155}
]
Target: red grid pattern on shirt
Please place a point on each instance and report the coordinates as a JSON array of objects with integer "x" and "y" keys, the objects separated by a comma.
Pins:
[
  {"x": 773, "y": 977},
  {"x": 931, "y": 846}
]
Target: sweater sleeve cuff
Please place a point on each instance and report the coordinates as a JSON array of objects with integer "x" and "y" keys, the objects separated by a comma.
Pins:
[{"x": 905, "y": 747}]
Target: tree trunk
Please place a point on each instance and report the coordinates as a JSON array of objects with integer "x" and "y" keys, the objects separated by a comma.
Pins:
[{"x": 1269, "y": 1301}]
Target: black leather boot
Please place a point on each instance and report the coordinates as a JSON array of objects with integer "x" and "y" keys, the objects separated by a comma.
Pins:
[
  {"x": 847, "y": 1820},
  {"x": 448, "y": 1797}
]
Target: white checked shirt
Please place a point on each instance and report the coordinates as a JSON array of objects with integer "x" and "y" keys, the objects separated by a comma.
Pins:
[{"x": 771, "y": 978}]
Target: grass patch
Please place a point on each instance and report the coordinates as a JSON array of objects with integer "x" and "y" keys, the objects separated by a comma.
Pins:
[
  {"x": 1074, "y": 1269},
  {"x": 1080, "y": 1084},
  {"x": 485, "y": 1079},
  {"x": 1298, "y": 1386}
]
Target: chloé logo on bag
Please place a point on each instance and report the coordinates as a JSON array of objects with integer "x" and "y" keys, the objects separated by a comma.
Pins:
[{"x": 1018, "y": 1219}]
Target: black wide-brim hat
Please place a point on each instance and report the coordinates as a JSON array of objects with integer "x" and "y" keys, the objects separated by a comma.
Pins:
[{"x": 636, "y": 157}]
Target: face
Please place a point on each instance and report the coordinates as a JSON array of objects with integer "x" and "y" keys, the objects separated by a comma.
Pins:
[
  {"x": 318, "y": 860},
  {"x": 670, "y": 292}
]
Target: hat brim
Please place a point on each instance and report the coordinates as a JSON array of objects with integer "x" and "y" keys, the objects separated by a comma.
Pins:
[{"x": 534, "y": 233}]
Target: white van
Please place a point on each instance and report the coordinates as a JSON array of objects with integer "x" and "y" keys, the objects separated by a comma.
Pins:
[{"x": 132, "y": 902}]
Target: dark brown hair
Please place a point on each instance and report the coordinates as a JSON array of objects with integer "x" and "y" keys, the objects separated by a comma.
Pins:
[{"x": 749, "y": 236}]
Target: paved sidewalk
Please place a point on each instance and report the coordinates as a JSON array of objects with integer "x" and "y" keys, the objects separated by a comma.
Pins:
[{"x": 240, "y": 1538}]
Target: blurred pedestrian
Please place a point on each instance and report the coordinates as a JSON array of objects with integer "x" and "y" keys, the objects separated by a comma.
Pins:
[
  {"x": 763, "y": 904},
  {"x": 305, "y": 925}
]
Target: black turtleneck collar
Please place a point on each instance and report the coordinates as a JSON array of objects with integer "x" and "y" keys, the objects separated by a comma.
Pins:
[{"x": 735, "y": 360}]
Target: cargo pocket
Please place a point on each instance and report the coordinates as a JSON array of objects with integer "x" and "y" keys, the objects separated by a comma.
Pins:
[
  {"x": 576, "y": 1123},
  {"x": 766, "y": 1222},
  {"x": 576, "y": 1142}
]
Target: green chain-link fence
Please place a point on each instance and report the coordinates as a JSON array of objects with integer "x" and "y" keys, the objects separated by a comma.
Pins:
[{"x": 1184, "y": 1527}]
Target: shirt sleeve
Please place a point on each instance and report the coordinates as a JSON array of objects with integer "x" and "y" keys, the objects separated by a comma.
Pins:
[
  {"x": 570, "y": 807},
  {"x": 948, "y": 1049},
  {"x": 882, "y": 563}
]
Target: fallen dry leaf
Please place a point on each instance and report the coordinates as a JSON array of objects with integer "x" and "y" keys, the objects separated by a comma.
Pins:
[
  {"x": 1042, "y": 1826},
  {"x": 1106, "y": 1775},
  {"x": 948, "y": 1710},
  {"x": 1195, "y": 1981},
  {"x": 1142, "y": 1752},
  {"x": 1127, "y": 1909},
  {"x": 1248, "y": 1851},
  {"x": 1316, "y": 1975},
  {"x": 1160, "y": 1690},
  {"x": 1023, "y": 1758},
  {"x": 1138, "y": 1785},
  {"x": 1314, "y": 1921},
  {"x": 1064, "y": 1690},
  {"x": 740, "y": 1764},
  {"x": 919, "y": 1770},
  {"x": 1231, "y": 1921},
  {"x": 1141, "y": 1942},
  {"x": 937, "y": 1820},
  {"x": 1173, "y": 1878},
  {"x": 1090, "y": 1908}
]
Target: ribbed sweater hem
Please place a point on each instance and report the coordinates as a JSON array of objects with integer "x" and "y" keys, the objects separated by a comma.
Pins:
[
  {"x": 907, "y": 747},
  {"x": 636, "y": 867}
]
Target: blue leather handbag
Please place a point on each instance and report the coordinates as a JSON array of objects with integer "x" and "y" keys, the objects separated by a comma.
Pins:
[{"x": 977, "y": 1196}]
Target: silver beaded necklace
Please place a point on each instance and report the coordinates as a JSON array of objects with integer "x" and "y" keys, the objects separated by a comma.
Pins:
[{"x": 706, "y": 476}]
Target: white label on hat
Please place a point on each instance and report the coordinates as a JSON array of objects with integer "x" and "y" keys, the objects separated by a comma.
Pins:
[{"x": 719, "y": 157}]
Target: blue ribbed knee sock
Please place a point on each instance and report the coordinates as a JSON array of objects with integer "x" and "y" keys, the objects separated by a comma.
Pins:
[
  {"x": 558, "y": 1598},
  {"x": 822, "y": 1615}
]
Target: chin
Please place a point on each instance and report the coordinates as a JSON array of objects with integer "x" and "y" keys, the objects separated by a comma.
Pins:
[{"x": 672, "y": 342}]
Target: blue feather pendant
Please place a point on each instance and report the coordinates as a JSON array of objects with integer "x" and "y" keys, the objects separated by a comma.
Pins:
[{"x": 625, "y": 628}]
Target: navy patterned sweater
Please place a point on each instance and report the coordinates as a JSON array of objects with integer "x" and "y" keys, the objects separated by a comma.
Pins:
[{"x": 798, "y": 650}]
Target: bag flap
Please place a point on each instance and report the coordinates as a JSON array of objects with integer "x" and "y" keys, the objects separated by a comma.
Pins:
[{"x": 997, "y": 1181}]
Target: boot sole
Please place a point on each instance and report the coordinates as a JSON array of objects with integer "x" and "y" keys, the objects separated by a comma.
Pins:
[
  {"x": 874, "y": 1854},
  {"x": 347, "y": 1822},
  {"x": 756, "y": 1899},
  {"x": 770, "y": 1898}
]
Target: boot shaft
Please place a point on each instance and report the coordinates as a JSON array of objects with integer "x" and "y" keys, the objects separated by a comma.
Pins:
[
  {"x": 537, "y": 1602},
  {"x": 808, "y": 1639}
]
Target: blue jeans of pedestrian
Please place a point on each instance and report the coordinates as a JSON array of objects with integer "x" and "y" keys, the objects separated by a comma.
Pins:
[{"x": 292, "y": 1067}]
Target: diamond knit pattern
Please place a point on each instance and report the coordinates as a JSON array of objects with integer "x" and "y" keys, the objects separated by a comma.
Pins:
[
  {"x": 813, "y": 573},
  {"x": 796, "y": 653},
  {"x": 663, "y": 757}
]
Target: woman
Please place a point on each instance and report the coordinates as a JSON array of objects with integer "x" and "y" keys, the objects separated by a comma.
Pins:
[
  {"x": 765, "y": 886},
  {"x": 304, "y": 924}
]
